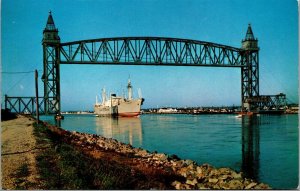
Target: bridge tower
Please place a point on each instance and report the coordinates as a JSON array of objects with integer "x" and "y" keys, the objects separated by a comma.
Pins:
[
  {"x": 51, "y": 74},
  {"x": 250, "y": 72}
]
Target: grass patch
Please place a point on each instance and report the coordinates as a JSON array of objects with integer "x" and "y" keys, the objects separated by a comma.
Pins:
[
  {"x": 23, "y": 171},
  {"x": 21, "y": 174},
  {"x": 64, "y": 167}
]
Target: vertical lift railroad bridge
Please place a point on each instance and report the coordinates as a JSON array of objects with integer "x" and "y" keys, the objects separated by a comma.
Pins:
[{"x": 149, "y": 51}]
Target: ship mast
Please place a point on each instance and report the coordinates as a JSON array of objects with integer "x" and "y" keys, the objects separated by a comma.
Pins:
[
  {"x": 103, "y": 96},
  {"x": 140, "y": 93},
  {"x": 129, "y": 88}
]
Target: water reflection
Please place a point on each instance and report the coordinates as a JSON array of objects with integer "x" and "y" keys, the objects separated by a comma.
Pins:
[
  {"x": 57, "y": 122},
  {"x": 250, "y": 146},
  {"x": 127, "y": 130}
]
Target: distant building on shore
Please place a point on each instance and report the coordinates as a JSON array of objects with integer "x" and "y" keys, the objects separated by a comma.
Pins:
[{"x": 167, "y": 110}]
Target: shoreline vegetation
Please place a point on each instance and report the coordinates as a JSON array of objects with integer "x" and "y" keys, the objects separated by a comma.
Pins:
[
  {"x": 73, "y": 160},
  {"x": 290, "y": 109}
]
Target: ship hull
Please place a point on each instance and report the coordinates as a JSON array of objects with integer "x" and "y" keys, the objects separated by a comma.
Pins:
[{"x": 129, "y": 108}]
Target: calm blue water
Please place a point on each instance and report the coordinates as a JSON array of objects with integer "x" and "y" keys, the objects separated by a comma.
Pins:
[{"x": 263, "y": 147}]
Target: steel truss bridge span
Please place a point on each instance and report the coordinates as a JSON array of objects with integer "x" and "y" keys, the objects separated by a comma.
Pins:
[{"x": 150, "y": 51}]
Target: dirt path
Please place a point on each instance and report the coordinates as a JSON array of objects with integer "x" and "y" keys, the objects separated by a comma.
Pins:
[{"x": 18, "y": 151}]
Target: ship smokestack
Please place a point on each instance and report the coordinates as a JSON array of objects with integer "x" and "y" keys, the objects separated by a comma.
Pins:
[{"x": 129, "y": 88}]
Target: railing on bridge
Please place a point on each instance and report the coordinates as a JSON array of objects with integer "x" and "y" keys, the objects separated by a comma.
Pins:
[
  {"x": 24, "y": 105},
  {"x": 269, "y": 102}
]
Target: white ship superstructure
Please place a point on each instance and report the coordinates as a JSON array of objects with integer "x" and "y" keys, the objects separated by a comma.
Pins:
[
  {"x": 107, "y": 107},
  {"x": 119, "y": 106}
]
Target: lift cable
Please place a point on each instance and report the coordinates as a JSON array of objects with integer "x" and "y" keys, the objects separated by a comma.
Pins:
[
  {"x": 14, "y": 85},
  {"x": 24, "y": 75},
  {"x": 19, "y": 72},
  {"x": 270, "y": 75}
]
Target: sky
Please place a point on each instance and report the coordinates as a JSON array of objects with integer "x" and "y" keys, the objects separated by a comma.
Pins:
[{"x": 274, "y": 23}]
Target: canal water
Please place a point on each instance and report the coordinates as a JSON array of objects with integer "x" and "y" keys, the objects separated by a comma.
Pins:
[{"x": 264, "y": 147}]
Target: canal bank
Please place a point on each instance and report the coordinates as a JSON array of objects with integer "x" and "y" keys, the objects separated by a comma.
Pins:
[
  {"x": 148, "y": 170},
  {"x": 40, "y": 157},
  {"x": 186, "y": 173}
]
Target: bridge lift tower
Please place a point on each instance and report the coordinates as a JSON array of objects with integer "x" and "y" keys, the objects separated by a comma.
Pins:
[
  {"x": 249, "y": 70},
  {"x": 51, "y": 60}
]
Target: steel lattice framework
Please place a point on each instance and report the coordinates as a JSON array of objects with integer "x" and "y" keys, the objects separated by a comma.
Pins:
[
  {"x": 25, "y": 105},
  {"x": 150, "y": 51},
  {"x": 51, "y": 79}
]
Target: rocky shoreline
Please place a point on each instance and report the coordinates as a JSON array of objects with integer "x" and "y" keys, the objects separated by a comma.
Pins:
[{"x": 194, "y": 176}]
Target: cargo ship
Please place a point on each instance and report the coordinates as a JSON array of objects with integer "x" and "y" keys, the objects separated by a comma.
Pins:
[{"x": 119, "y": 105}]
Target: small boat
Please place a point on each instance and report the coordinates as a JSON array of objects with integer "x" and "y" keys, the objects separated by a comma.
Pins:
[
  {"x": 239, "y": 116},
  {"x": 59, "y": 117},
  {"x": 247, "y": 113}
]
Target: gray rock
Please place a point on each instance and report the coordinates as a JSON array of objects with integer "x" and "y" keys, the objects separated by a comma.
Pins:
[
  {"x": 188, "y": 162},
  {"x": 160, "y": 157},
  {"x": 176, "y": 184},
  {"x": 214, "y": 172},
  {"x": 199, "y": 170},
  {"x": 251, "y": 185},
  {"x": 191, "y": 166},
  {"x": 213, "y": 180},
  {"x": 202, "y": 186},
  {"x": 142, "y": 153},
  {"x": 236, "y": 184},
  {"x": 223, "y": 185},
  {"x": 224, "y": 171},
  {"x": 192, "y": 182},
  {"x": 183, "y": 172},
  {"x": 236, "y": 175},
  {"x": 262, "y": 186},
  {"x": 224, "y": 177}
]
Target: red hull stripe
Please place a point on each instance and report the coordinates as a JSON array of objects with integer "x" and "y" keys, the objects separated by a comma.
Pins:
[{"x": 129, "y": 114}]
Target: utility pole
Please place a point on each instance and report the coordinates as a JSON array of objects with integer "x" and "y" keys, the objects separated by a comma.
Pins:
[
  {"x": 5, "y": 101},
  {"x": 37, "y": 97}
]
